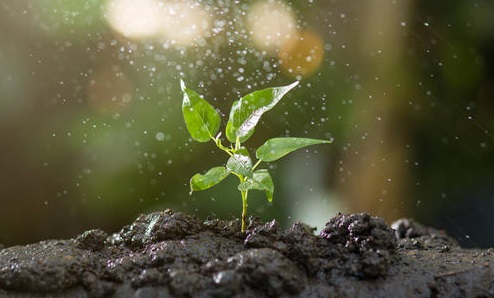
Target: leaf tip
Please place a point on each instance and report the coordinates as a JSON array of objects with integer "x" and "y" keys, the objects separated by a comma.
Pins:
[
  {"x": 182, "y": 85},
  {"x": 269, "y": 196}
]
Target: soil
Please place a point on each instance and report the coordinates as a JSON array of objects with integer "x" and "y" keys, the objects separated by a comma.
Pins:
[{"x": 172, "y": 254}]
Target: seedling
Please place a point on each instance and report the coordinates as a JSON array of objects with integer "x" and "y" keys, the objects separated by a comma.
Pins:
[{"x": 203, "y": 123}]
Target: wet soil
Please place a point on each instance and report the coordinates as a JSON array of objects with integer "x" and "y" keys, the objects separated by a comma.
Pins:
[{"x": 172, "y": 254}]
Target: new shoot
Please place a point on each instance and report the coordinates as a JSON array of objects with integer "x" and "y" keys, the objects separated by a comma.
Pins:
[{"x": 203, "y": 123}]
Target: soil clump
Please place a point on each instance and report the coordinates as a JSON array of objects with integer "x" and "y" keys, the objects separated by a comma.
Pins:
[{"x": 173, "y": 254}]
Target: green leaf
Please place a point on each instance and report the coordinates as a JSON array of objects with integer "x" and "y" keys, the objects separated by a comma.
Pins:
[
  {"x": 246, "y": 112},
  {"x": 276, "y": 148},
  {"x": 240, "y": 163},
  {"x": 202, "y": 120},
  {"x": 211, "y": 178},
  {"x": 261, "y": 180}
]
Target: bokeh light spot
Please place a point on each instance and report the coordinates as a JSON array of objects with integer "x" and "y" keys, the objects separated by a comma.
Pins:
[
  {"x": 135, "y": 19},
  {"x": 184, "y": 22},
  {"x": 180, "y": 23},
  {"x": 302, "y": 55},
  {"x": 271, "y": 24}
]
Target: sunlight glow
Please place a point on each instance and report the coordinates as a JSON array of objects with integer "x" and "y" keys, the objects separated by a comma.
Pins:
[
  {"x": 134, "y": 19},
  {"x": 271, "y": 24},
  {"x": 185, "y": 23},
  {"x": 178, "y": 22}
]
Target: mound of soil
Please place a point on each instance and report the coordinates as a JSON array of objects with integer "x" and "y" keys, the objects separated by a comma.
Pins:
[{"x": 172, "y": 254}]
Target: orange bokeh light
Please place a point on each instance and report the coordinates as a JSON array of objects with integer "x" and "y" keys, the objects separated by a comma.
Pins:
[{"x": 302, "y": 55}]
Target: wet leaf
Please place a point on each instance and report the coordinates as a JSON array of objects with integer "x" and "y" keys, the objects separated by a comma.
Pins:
[
  {"x": 202, "y": 120},
  {"x": 210, "y": 178},
  {"x": 246, "y": 112},
  {"x": 240, "y": 163},
  {"x": 276, "y": 148},
  {"x": 261, "y": 180}
]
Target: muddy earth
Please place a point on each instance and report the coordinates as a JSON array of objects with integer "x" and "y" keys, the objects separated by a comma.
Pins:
[{"x": 172, "y": 254}]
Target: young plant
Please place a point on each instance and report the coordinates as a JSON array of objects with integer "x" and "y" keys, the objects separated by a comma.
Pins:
[{"x": 203, "y": 123}]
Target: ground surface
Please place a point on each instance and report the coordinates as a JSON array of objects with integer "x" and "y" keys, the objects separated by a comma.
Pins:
[{"x": 172, "y": 254}]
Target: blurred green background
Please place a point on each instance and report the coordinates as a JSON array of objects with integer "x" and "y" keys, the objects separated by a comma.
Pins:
[{"x": 91, "y": 130}]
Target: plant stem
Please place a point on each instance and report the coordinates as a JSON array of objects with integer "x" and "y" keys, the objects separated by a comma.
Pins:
[
  {"x": 237, "y": 144},
  {"x": 255, "y": 166},
  {"x": 218, "y": 143},
  {"x": 244, "y": 208}
]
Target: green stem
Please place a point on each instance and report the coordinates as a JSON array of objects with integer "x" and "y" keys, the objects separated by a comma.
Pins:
[
  {"x": 255, "y": 166},
  {"x": 237, "y": 144},
  {"x": 218, "y": 143},
  {"x": 244, "y": 208}
]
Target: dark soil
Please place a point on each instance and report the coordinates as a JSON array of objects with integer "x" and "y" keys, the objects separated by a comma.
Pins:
[{"x": 172, "y": 254}]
